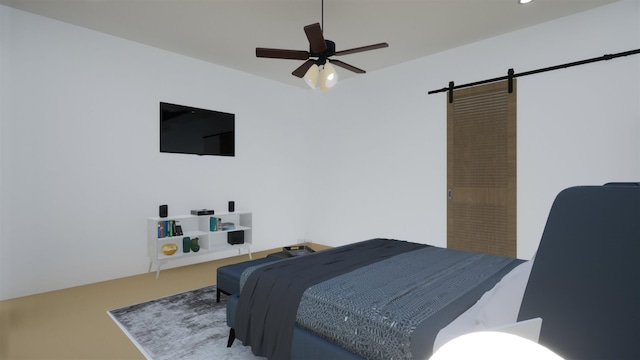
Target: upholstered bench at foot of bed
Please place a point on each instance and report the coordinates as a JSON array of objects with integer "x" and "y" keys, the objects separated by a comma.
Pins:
[
  {"x": 228, "y": 277},
  {"x": 232, "y": 303}
]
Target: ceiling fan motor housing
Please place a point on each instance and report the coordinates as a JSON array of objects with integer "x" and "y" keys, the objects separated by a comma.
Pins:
[{"x": 322, "y": 57}]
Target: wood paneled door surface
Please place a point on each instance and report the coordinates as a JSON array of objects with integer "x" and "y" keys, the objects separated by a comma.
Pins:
[{"x": 481, "y": 169}]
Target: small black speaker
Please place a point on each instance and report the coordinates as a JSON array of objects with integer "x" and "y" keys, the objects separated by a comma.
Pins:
[
  {"x": 232, "y": 206},
  {"x": 235, "y": 237},
  {"x": 163, "y": 211}
]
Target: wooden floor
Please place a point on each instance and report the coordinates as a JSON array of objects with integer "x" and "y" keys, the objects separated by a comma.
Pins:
[{"x": 73, "y": 323}]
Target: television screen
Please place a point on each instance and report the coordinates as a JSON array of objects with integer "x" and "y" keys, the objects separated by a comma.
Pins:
[{"x": 189, "y": 130}]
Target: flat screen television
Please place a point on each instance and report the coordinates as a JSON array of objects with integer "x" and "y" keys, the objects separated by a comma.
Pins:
[{"x": 189, "y": 130}]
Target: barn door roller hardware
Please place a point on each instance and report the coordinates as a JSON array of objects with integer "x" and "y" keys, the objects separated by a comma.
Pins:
[{"x": 511, "y": 75}]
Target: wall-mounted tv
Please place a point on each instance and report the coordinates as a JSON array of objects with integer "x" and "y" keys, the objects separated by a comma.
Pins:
[{"x": 189, "y": 130}]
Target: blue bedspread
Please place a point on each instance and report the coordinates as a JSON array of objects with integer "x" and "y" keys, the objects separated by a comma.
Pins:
[
  {"x": 393, "y": 309},
  {"x": 266, "y": 312}
]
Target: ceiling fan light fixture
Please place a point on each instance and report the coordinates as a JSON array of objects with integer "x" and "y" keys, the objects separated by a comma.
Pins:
[
  {"x": 328, "y": 77},
  {"x": 311, "y": 76}
]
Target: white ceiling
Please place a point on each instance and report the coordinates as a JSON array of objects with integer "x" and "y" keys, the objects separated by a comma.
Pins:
[{"x": 226, "y": 32}]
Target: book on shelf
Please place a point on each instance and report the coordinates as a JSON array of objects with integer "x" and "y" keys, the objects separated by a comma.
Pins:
[
  {"x": 167, "y": 228},
  {"x": 228, "y": 226}
]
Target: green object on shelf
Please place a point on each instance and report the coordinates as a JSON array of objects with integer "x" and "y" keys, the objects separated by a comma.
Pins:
[
  {"x": 186, "y": 244},
  {"x": 195, "y": 247}
]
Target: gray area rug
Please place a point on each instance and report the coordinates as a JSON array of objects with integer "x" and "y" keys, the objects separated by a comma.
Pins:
[{"x": 189, "y": 325}]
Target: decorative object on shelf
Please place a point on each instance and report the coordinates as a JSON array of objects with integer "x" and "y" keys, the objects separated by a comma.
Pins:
[
  {"x": 202, "y": 212},
  {"x": 232, "y": 206},
  {"x": 226, "y": 226},
  {"x": 186, "y": 244},
  {"x": 213, "y": 223},
  {"x": 163, "y": 211},
  {"x": 195, "y": 247},
  {"x": 169, "y": 249}
]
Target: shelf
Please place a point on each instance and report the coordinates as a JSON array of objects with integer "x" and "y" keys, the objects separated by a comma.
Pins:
[
  {"x": 225, "y": 246},
  {"x": 216, "y": 248},
  {"x": 197, "y": 226},
  {"x": 179, "y": 254},
  {"x": 238, "y": 228},
  {"x": 190, "y": 233},
  {"x": 178, "y": 217}
]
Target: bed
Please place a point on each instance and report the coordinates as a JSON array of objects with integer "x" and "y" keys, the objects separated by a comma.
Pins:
[{"x": 402, "y": 300}]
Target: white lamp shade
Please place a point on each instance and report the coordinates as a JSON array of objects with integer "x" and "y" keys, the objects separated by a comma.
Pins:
[
  {"x": 493, "y": 345},
  {"x": 328, "y": 77},
  {"x": 311, "y": 76}
]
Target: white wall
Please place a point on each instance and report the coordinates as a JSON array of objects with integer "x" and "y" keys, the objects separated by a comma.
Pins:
[
  {"x": 80, "y": 168},
  {"x": 385, "y": 150}
]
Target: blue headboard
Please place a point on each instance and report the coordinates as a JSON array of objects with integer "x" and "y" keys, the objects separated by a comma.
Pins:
[{"x": 585, "y": 281}]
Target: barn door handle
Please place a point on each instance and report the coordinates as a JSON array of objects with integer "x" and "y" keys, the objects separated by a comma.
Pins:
[{"x": 449, "y": 194}]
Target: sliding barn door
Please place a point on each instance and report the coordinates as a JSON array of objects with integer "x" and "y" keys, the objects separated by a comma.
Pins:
[{"x": 481, "y": 169}]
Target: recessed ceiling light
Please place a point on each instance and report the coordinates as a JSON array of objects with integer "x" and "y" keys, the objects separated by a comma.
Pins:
[{"x": 522, "y": 2}]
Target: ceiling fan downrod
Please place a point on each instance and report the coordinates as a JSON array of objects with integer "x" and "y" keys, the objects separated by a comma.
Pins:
[{"x": 322, "y": 17}]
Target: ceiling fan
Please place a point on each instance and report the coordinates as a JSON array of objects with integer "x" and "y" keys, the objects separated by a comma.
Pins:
[{"x": 322, "y": 50}]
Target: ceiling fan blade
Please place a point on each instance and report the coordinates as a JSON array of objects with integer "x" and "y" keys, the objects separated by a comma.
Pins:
[
  {"x": 302, "y": 69},
  {"x": 362, "y": 48},
  {"x": 344, "y": 65},
  {"x": 316, "y": 39},
  {"x": 282, "y": 54}
]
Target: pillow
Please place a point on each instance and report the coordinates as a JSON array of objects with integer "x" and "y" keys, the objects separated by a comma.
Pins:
[
  {"x": 498, "y": 306},
  {"x": 504, "y": 303}
]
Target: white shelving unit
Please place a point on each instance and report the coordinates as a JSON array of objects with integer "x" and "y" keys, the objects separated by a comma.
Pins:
[{"x": 200, "y": 227}]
